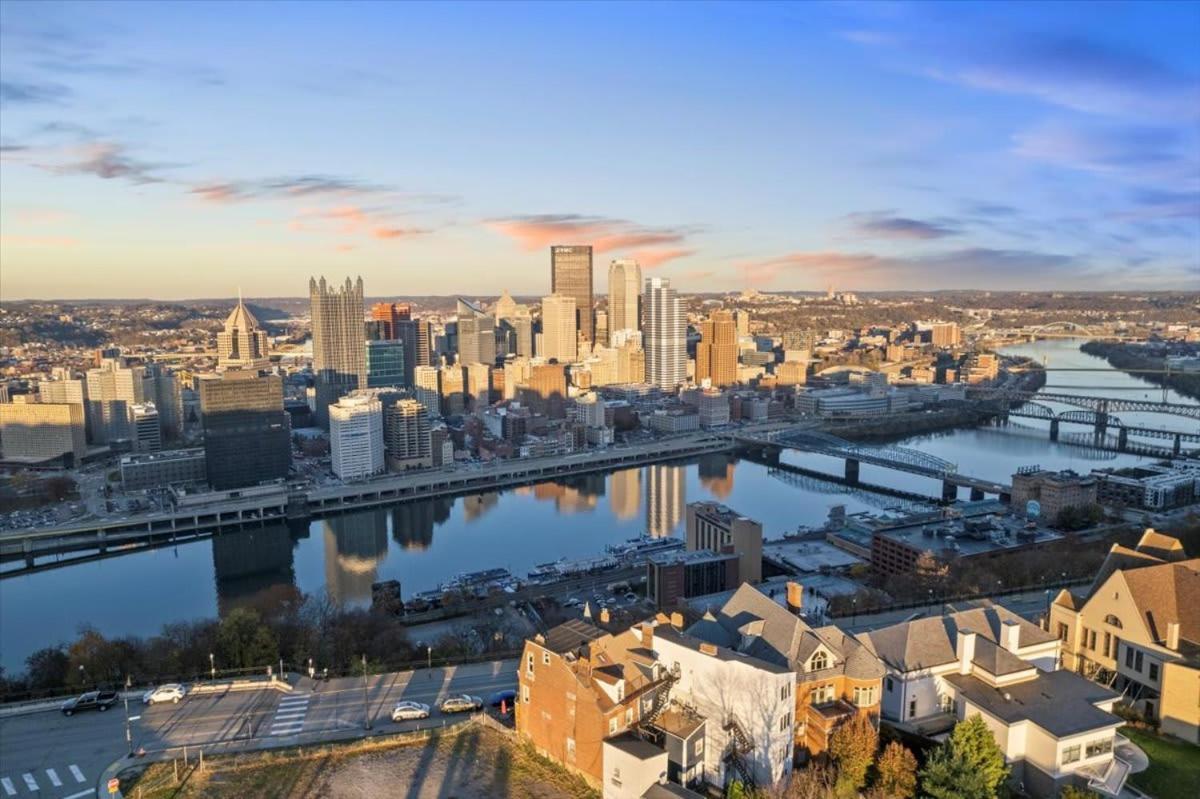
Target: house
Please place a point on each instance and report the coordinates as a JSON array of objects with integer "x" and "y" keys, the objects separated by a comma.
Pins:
[
  {"x": 836, "y": 676},
  {"x": 1054, "y": 727},
  {"x": 1137, "y": 628}
]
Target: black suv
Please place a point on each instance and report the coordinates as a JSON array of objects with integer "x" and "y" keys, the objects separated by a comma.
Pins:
[{"x": 92, "y": 700}]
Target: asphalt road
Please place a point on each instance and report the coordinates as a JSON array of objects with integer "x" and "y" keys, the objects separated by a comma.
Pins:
[{"x": 50, "y": 756}]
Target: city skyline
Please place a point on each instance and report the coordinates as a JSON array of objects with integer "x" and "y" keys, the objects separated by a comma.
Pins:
[{"x": 871, "y": 146}]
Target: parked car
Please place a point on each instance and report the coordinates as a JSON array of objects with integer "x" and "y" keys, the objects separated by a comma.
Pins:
[
  {"x": 461, "y": 704},
  {"x": 404, "y": 711},
  {"x": 509, "y": 697},
  {"x": 171, "y": 692},
  {"x": 92, "y": 700}
]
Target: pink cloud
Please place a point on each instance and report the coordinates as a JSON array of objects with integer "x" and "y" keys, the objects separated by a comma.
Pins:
[
  {"x": 649, "y": 259},
  {"x": 396, "y": 232},
  {"x": 217, "y": 193},
  {"x": 538, "y": 231}
]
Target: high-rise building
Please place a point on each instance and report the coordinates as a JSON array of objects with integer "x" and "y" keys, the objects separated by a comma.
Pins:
[
  {"x": 571, "y": 274},
  {"x": 478, "y": 391},
  {"x": 516, "y": 335},
  {"x": 242, "y": 344},
  {"x": 624, "y": 295},
  {"x": 601, "y": 318},
  {"x": 631, "y": 363},
  {"x": 717, "y": 352},
  {"x": 147, "y": 433},
  {"x": 665, "y": 487},
  {"x": 741, "y": 318},
  {"x": 406, "y": 440},
  {"x": 356, "y": 436},
  {"x": 168, "y": 399},
  {"x": 545, "y": 390},
  {"x": 427, "y": 388},
  {"x": 453, "y": 386},
  {"x": 944, "y": 334},
  {"x": 35, "y": 432},
  {"x": 247, "y": 439},
  {"x": 476, "y": 334},
  {"x": 385, "y": 364},
  {"x": 65, "y": 391},
  {"x": 665, "y": 335},
  {"x": 112, "y": 389},
  {"x": 416, "y": 337},
  {"x": 338, "y": 338},
  {"x": 716, "y": 528},
  {"x": 559, "y": 338},
  {"x": 389, "y": 315}
]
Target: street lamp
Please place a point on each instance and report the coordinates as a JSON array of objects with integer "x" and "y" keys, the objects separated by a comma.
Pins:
[
  {"x": 428, "y": 657},
  {"x": 366, "y": 696},
  {"x": 212, "y": 666},
  {"x": 128, "y": 732}
]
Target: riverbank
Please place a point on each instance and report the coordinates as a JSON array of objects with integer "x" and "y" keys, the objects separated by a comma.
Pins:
[{"x": 1130, "y": 358}]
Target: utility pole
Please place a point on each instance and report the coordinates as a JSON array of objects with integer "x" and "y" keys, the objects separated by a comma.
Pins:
[
  {"x": 366, "y": 696},
  {"x": 128, "y": 730}
]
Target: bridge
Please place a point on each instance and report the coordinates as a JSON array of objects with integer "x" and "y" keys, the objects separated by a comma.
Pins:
[
  {"x": 772, "y": 443},
  {"x": 1102, "y": 404}
]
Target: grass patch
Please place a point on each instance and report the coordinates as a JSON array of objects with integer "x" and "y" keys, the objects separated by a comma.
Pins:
[
  {"x": 1174, "y": 770},
  {"x": 468, "y": 760}
]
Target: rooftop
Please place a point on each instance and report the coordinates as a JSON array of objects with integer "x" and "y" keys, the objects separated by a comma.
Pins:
[{"x": 1060, "y": 702}]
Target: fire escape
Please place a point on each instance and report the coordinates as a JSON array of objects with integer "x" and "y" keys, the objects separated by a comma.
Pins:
[
  {"x": 645, "y": 726},
  {"x": 740, "y": 746}
]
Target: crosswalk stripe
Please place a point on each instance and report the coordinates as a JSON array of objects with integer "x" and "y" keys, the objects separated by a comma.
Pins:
[
  {"x": 54, "y": 780},
  {"x": 8, "y": 786},
  {"x": 297, "y": 714},
  {"x": 80, "y": 794},
  {"x": 76, "y": 773},
  {"x": 286, "y": 703},
  {"x": 287, "y": 725},
  {"x": 30, "y": 781}
]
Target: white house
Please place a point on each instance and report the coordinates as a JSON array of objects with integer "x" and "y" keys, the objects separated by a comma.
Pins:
[{"x": 1055, "y": 727}]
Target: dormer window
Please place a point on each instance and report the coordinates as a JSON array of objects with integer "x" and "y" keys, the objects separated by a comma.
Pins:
[
  {"x": 1112, "y": 620},
  {"x": 818, "y": 662}
]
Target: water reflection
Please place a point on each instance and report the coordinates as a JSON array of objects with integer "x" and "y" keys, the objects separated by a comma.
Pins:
[
  {"x": 476, "y": 506},
  {"x": 716, "y": 474},
  {"x": 253, "y": 568},
  {"x": 355, "y": 545},
  {"x": 664, "y": 499},
  {"x": 413, "y": 522},
  {"x": 625, "y": 494}
]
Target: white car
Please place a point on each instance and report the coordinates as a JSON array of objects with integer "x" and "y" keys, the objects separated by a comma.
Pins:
[
  {"x": 461, "y": 704},
  {"x": 404, "y": 711},
  {"x": 171, "y": 692}
]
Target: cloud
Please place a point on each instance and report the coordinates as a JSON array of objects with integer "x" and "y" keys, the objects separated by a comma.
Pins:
[
  {"x": 1107, "y": 149},
  {"x": 295, "y": 186},
  {"x": 884, "y": 225},
  {"x": 538, "y": 231},
  {"x": 963, "y": 268},
  {"x": 353, "y": 220},
  {"x": 649, "y": 259},
  {"x": 108, "y": 160},
  {"x": 14, "y": 92}
]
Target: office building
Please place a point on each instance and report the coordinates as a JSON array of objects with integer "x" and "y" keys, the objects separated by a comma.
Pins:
[
  {"x": 246, "y": 432},
  {"x": 716, "y": 528},
  {"x": 406, "y": 435},
  {"x": 427, "y": 388},
  {"x": 624, "y": 295},
  {"x": 147, "y": 434},
  {"x": 560, "y": 339},
  {"x": 545, "y": 390},
  {"x": 664, "y": 335},
  {"x": 717, "y": 351},
  {"x": 242, "y": 344},
  {"x": 38, "y": 432},
  {"x": 386, "y": 364},
  {"x": 389, "y": 315},
  {"x": 741, "y": 319},
  {"x": 476, "y": 334},
  {"x": 415, "y": 335},
  {"x": 571, "y": 275},
  {"x": 672, "y": 577},
  {"x": 944, "y": 334},
  {"x": 478, "y": 390},
  {"x": 168, "y": 399},
  {"x": 356, "y": 436},
  {"x": 65, "y": 391},
  {"x": 112, "y": 389},
  {"x": 453, "y": 386},
  {"x": 338, "y": 342},
  {"x": 1051, "y": 492},
  {"x": 162, "y": 469}
]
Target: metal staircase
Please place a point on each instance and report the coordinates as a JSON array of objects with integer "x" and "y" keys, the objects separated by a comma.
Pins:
[{"x": 740, "y": 746}]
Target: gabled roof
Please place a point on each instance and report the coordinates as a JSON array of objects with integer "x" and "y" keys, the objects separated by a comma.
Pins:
[
  {"x": 1152, "y": 549},
  {"x": 1165, "y": 594},
  {"x": 1161, "y": 546}
]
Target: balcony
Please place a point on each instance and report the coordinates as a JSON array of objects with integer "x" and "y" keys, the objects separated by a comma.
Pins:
[{"x": 1109, "y": 778}]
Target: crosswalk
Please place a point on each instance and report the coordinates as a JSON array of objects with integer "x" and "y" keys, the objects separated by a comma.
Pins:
[
  {"x": 46, "y": 782},
  {"x": 289, "y": 716}
]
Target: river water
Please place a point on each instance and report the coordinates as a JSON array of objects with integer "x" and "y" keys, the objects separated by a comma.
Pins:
[{"x": 424, "y": 543}]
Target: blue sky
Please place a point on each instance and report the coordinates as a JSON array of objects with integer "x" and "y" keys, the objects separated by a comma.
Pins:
[{"x": 181, "y": 150}]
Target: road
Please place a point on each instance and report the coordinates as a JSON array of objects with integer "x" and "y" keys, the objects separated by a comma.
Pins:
[
  {"x": 50, "y": 756},
  {"x": 1031, "y": 605}
]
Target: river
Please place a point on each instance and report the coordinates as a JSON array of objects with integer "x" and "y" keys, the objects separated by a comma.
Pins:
[{"x": 424, "y": 543}]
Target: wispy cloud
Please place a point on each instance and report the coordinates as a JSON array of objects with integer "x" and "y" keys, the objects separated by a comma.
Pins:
[
  {"x": 538, "y": 231},
  {"x": 886, "y": 225},
  {"x": 353, "y": 220},
  {"x": 109, "y": 161},
  {"x": 17, "y": 92},
  {"x": 649, "y": 259},
  {"x": 1108, "y": 149},
  {"x": 298, "y": 186}
]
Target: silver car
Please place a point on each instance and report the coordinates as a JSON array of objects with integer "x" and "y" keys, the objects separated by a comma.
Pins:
[
  {"x": 461, "y": 704},
  {"x": 171, "y": 692},
  {"x": 403, "y": 711}
]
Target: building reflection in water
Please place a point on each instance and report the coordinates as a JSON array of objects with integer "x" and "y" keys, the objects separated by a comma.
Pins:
[
  {"x": 664, "y": 499},
  {"x": 253, "y": 568},
  {"x": 413, "y": 522},
  {"x": 355, "y": 545},
  {"x": 625, "y": 493},
  {"x": 716, "y": 474},
  {"x": 476, "y": 506}
]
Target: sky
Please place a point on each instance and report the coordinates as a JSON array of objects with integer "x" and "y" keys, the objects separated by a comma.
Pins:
[{"x": 184, "y": 150}]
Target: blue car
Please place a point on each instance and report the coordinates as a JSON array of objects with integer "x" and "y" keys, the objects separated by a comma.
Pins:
[{"x": 508, "y": 697}]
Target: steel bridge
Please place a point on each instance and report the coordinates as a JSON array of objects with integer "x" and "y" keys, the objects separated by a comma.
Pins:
[
  {"x": 1101, "y": 422},
  {"x": 1103, "y": 405}
]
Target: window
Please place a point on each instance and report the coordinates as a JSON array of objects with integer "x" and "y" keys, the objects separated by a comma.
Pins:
[
  {"x": 912, "y": 707},
  {"x": 1063, "y": 631},
  {"x": 1097, "y": 748},
  {"x": 822, "y": 694},
  {"x": 1091, "y": 636},
  {"x": 612, "y": 726},
  {"x": 524, "y": 693},
  {"x": 628, "y": 716},
  {"x": 699, "y": 747},
  {"x": 947, "y": 703},
  {"x": 1154, "y": 672},
  {"x": 785, "y": 691},
  {"x": 1070, "y": 754},
  {"x": 891, "y": 686},
  {"x": 1137, "y": 662},
  {"x": 1108, "y": 645},
  {"x": 545, "y": 658},
  {"x": 571, "y": 748},
  {"x": 529, "y": 663},
  {"x": 1112, "y": 621},
  {"x": 818, "y": 661},
  {"x": 1128, "y": 656},
  {"x": 616, "y": 777},
  {"x": 864, "y": 696}
]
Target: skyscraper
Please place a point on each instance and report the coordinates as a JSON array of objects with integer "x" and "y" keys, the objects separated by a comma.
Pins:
[
  {"x": 112, "y": 389},
  {"x": 242, "y": 345},
  {"x": 717, "y": 352},
  {"x": 246, "y": 431},
  {"x": 390, "y": 315},
  {"x": 427, "y": 388},
  {"x": 338, "y": 339},
  {"x": 406, "y": 438},
  {"x": 356, "y": 436},
  {"x": 476, "y": 335},
  {"x": 559, "y": 340},
  {"x": 386, "y": 364},
  {"x": 624, "y": 295},
  {"x": 665, "y": 335},
  {"x": 415, "y": 335},
  {"x": 571, "y": 274}
]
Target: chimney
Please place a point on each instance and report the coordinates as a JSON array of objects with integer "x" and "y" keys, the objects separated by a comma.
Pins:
[
  {"x": 1173, "y": 636},
  {"x": 965, "y": 650},
  {"x": 1010, "y": 635},
  {"x": 677, "y": 620},
  {"x": 604, "y": 617},
  {"x": 795, "y": 596},
  {"x": 647, "y": 635}
]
